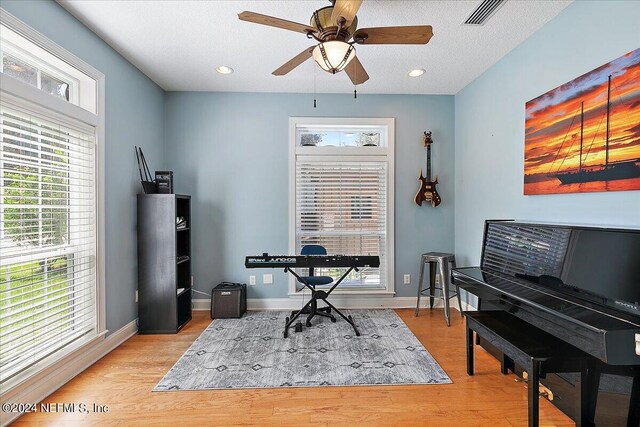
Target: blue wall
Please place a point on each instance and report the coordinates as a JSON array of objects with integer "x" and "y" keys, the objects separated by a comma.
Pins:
[
  {"x": 489, "y": 115},
  {"x": 230, "y": 152},
  {"x": 134, "y": 116}
]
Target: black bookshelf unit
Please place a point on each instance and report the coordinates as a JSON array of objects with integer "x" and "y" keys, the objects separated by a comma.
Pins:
[{"x": 164, "y": 263}]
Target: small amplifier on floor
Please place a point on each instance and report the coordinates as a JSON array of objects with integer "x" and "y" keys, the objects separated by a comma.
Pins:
[
  {"x": 164, "y": 182},
  {"x": 228, "y": 300}
]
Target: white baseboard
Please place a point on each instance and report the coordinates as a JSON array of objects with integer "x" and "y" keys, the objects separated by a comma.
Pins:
[
  {"x": 45, "y": 382},
  {"x": 340, "y": 302},
  {"x": 201, "y": 304}
]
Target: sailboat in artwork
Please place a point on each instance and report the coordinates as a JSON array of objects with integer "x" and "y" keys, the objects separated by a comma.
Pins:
[{"x": 610, "y": 171}]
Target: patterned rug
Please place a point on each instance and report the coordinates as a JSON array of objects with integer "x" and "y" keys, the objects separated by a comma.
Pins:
[{"x": 251, "y": 352}]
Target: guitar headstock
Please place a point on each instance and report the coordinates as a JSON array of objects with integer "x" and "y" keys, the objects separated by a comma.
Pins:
[{"x": 427, "y": 139}]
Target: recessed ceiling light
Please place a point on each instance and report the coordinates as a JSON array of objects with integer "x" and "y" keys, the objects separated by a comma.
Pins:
[
  {"x": 416, "y": 73},
  {"x": 223, "y": 69}
]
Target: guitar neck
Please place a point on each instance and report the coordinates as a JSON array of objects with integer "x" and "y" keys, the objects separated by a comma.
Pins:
[{"x": 429, "y": 162}]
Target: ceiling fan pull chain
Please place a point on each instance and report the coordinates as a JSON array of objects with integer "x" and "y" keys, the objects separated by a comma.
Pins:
[
  {"x": 355, "y": 85},
  {"x": 314, "y": 84}
]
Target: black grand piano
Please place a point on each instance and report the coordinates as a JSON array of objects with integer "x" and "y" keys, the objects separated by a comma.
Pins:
[{"x": 578, "y": 284}]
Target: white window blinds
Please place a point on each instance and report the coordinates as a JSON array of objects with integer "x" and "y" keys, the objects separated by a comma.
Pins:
[
  {"x": 342, "y": 206},
  {"x": 47, "y": 235}
]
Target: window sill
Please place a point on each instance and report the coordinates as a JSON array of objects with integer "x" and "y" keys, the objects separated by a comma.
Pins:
[
  {"x": 48, "y": 365},
  {"x": 45, "y": 380}
]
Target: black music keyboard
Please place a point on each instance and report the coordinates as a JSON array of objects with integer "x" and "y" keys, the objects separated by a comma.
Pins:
[{"x": 310, "y": 261}]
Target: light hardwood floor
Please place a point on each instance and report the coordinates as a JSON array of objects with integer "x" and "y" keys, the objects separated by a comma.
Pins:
[{"x": 123, "y": 381}]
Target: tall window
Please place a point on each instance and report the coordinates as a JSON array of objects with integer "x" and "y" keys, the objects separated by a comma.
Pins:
[
  {"x": 49, "y": 261},
  {"x": 342, "y": 194}
]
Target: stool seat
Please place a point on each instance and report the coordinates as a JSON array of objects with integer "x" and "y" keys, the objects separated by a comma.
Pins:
[
  {"x": 437, "y": 256},
  {"x": 441, "y": 262}
]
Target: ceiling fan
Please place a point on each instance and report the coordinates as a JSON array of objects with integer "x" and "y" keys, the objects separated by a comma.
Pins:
[{"x": 335, "y": 29}]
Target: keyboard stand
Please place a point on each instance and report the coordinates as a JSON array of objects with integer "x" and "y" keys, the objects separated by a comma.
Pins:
[{"x": 319, "y": 295}]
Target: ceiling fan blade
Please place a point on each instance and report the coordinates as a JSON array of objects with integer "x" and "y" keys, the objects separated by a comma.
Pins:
[
  {"x": 294, "y": 62},
  {"x": 345, "y": 8},
  {"x": 417, "y": 34},
  {"x": 356, "y": 72},
  {"x": 275, "y": 22}
]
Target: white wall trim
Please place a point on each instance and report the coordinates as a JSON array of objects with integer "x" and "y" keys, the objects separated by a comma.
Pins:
[
  {"x": 46, "y": 43},
  {"x": 348, "y": 302},
  {"x": 42, "y": 384}
]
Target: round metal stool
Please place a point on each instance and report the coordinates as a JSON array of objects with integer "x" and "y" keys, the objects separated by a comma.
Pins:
[{"x": 442, "y": 262}]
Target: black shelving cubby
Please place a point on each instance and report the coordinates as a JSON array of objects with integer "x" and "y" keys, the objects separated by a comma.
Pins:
[{"x": 164, "y": 263}]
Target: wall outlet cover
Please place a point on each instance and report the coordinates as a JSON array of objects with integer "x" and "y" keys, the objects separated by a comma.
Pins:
[
  {"x": 252, "y": 280},
  {"x": 407, "y": 279},
  {"x": 267, "y": 279}
]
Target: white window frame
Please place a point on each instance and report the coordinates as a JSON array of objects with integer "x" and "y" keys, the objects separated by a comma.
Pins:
[
  {"x": 382, "y": 153},
  {"x": 82, "y": 91},
  {"x": 41, "y": 66},
  {"x": 16, "y": 91}
]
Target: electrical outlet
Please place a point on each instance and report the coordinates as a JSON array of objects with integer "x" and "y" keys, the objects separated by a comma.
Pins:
[
  {"x": 136, "y": 296},
  {"x": 267, "y": 279},
  {"x": 407, "y": 279},
  {"x": 252, "y": 280},
  {"x": 438, "y": 280}
]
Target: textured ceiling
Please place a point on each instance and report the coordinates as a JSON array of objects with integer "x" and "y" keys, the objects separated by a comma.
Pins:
[{"x": 179, "y": 44}]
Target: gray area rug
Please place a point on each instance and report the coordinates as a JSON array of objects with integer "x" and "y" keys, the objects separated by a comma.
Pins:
[{"x": 251, "y": 352}]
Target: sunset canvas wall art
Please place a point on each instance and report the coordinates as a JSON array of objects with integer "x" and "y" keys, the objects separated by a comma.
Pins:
[{"x": 584, "y": 135}]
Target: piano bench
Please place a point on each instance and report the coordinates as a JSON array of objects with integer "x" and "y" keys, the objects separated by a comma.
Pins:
[{"x": 537, "y": 352}]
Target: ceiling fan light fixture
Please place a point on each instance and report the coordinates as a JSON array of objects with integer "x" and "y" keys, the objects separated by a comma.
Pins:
[
  {"x": 223, "y": 69},
  {"x": 417, "y": 72},
  {"x": 333, "y": 56}
]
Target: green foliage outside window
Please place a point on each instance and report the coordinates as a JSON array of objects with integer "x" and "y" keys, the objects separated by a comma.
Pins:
[
  {"x": 37, "y": 295},
  {"x": 39, "y": 194},
  {"x": 38, "y": 285}
]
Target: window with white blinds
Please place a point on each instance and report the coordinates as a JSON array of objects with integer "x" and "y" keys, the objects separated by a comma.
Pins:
[
  {"x": 342, "y": 206},
  {"x": 342, "y": 195},
  {"x": 52, "y": 291},
  {"x": 47, "y": 236}
]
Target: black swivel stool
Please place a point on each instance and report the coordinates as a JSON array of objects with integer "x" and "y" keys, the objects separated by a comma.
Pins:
[
  {"x": 442, "y": 263},
  {"x": 312, "y": 281}
]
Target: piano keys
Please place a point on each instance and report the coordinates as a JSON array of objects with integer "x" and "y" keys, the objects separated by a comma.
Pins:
[
  {"x": 311, "y": 261},
  {"x": 607, "y": 336}
]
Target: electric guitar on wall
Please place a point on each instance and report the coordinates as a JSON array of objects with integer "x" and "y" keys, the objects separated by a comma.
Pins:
[{"x": 427, "y": 191}]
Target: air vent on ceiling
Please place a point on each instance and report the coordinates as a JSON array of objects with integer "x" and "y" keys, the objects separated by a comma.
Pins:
[{"x": 483, "y": 12}]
